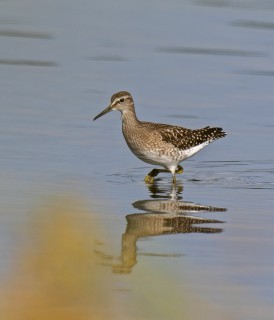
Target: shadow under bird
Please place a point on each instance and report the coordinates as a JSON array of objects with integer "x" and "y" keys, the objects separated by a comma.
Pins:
[{"x": 159, "y": 144}]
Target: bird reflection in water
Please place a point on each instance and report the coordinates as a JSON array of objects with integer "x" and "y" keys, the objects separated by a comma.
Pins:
[{"x": 166, "y": 215}]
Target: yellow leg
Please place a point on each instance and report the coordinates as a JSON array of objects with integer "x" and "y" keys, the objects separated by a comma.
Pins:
[
  {"x": 174, "y": 179},
  {"x": 150, "y": 177},
  {"x": 154, "y": 173},
  {"x": 179, "y": 170}
]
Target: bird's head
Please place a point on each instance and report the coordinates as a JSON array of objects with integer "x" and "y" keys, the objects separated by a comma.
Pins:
[{"x": 121, "y": 101}]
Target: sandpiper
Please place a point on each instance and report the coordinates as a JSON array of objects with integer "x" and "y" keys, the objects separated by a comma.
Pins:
[{"x": 159, "y": 144}]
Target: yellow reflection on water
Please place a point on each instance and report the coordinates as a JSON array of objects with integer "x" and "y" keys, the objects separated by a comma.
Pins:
[
  {"x": 56, "y": 274},
  {"x": 59, "y": 273}
]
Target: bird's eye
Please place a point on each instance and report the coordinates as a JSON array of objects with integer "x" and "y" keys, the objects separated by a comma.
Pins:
[{"x": 122, "y": 100}]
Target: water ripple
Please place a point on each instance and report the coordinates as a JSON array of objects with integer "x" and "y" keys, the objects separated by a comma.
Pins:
[
  {"x": 25, "y": 34},
  {"x": 31, "y": 63},
  {"x": 209, "y": 51},
  {"x": 253, "y": 24}
]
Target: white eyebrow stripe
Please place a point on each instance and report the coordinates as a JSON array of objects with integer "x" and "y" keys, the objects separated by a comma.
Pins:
[{"x": 118, "y": 99}]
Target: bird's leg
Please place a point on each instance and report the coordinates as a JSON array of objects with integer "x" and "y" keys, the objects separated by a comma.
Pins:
[
  {"x": 179, "y": 170},
  {"x": 153, "y": 173},
  {"x": 174, "y": 179},
  {"x": 150, "y": 177}
]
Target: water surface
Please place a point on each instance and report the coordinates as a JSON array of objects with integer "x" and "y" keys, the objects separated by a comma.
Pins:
[{"x": 192, "y": 63}]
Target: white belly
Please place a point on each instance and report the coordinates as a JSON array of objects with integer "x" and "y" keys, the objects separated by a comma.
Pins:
[{"x": 168, "y": 157}]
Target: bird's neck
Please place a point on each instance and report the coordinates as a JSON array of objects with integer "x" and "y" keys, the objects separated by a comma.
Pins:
[{"x": 129, "y": 118}]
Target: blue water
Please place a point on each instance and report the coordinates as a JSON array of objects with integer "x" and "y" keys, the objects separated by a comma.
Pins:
[{"x": 190, "y": 63}]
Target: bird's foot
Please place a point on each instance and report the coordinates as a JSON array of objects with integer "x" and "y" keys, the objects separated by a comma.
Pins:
[
  {"x": 179, "y": 170},
  {"x": 154, "y": 173},
  {"x": 150, "y": 177}
]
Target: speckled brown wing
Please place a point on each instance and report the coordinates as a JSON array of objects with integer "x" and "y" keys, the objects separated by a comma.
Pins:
[{"x": 183, "y": 138}]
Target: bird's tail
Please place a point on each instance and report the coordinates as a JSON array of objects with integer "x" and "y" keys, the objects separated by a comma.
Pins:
[{"x": 211, "y": 134}]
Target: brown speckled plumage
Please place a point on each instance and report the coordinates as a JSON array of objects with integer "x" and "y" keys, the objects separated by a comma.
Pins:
[{"x": 156, "y": 143}]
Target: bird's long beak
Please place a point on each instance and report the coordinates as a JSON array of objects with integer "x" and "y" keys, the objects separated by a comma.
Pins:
[{"x": 107, "y": 110}]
